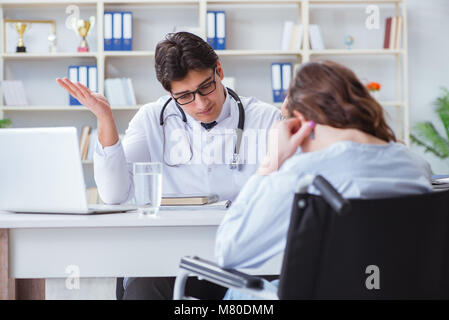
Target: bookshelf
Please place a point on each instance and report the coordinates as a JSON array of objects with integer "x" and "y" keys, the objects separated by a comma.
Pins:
[{"x": 254, "y": 29}]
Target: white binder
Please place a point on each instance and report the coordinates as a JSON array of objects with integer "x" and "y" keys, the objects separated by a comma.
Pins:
[{"x": 92, "y": 75}]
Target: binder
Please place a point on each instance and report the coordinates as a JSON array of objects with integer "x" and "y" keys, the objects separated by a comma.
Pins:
[
  {"x": 316, "y": 40},
  {"x": 286, "y": 76},
  {"x": 276, "y": 82},
  {"x": 220, "y": 20},
  {"x": 211, "y": 34},
  {"x": 117, "y": 31},
  {"x": 73, "y": 76},
  {"x": 127, "y": 31},
  {"x": 107, "y": 31},
  {"x": 82, "y": 75},
  {"x": 92, "y": 78}
]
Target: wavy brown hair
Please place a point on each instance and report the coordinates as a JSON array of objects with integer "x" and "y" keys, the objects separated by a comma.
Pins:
[{"x": 331, "y": 94}]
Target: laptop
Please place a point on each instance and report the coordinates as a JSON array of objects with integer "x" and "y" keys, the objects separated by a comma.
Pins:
[{"x": 41, "y": 172}]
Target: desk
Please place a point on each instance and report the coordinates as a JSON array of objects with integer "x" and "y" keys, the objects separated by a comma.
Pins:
[{"x": 39, "y": 246}]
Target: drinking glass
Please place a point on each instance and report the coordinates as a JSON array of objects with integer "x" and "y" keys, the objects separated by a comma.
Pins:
[{"x": 147, "y": 186}]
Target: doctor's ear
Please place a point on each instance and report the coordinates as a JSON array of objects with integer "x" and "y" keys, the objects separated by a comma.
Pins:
[{"x": 219, "y": 69}]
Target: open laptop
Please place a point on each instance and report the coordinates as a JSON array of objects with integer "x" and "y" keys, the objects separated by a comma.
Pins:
[{"x": 41, "y": 172}]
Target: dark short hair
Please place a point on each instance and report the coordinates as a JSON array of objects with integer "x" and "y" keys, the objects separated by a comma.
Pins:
[
  {"x": 179, "y": 53},
  {"x": 331, "y": 94}
]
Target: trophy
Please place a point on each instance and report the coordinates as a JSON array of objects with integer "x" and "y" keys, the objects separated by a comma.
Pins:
[
  {"x": 20, "y": 28},
  {"x": 82, "y": 27}
]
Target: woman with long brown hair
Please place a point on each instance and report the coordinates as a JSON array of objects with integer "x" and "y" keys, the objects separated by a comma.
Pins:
[{"x": 335, "y": 128}]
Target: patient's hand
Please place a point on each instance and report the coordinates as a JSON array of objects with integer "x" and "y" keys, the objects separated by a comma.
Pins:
[
  {"x": 95, "y": 102},
  {"x": 284, "y": 139}
]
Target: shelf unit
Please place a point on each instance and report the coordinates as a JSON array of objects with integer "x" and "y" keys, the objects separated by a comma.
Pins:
[{"x": 301, "y": 8}]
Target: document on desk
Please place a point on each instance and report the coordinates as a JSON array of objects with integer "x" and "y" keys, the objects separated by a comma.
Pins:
[{"x": 221, "y": 205}]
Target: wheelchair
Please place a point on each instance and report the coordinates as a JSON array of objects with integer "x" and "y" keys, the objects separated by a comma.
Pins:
[{"x": 388, "y": 248}]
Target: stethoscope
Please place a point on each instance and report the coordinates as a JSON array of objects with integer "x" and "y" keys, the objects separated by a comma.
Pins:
[{"x": 239, "y": 131}]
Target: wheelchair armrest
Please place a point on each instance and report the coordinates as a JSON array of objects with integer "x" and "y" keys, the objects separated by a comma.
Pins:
[{"x": 214, "y": 273}]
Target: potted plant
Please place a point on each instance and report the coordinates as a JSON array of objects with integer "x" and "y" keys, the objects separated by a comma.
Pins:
[
  {"x": 428, "y": 137},
  {"x": 374, "y": 89},
  {"x": 4, "y": 123}
]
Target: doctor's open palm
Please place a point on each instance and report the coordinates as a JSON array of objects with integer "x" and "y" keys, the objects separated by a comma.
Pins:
[{"x": 95, "y": 102}]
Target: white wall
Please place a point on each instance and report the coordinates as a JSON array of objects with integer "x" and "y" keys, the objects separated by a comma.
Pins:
[{"x": 428, "y": 64}]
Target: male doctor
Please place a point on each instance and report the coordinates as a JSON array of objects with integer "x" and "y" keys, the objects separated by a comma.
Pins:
[{"x": 209, "y": 140}]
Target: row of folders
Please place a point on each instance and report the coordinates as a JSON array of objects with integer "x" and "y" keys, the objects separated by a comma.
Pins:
[
  {"x": 118, "y": 31},
  {"x": 120, "y": 91}
]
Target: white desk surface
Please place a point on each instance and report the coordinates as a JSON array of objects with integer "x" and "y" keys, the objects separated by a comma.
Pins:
[
  {"x": 111, "y": 245},
  {"x": 10, "y": 220}
]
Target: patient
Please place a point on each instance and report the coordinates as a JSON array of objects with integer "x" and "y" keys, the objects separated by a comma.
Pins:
[{"x": 334, "y": 128}]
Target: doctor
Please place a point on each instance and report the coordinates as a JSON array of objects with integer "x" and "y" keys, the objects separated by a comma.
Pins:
[{"x": 209, "y": 140}]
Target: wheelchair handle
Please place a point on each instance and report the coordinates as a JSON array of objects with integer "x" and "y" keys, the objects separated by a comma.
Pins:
[{"x": 331, "y": 195}]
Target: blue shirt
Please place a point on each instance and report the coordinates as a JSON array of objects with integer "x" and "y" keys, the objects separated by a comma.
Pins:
[{"x": 255, "y": 227}]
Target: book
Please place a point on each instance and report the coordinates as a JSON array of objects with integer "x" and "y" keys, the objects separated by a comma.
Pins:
[
  {"x": 392, "y": 33},
  {"x": 387, "y": 33},
  {"x": 14, "y": 93},
  {"x": 73, "y": 76},
  {"x": 296, "y": 37},
  {"x": 117, "y": 33},
  {"x": 127, "y": 40},
  {"x": 107, "y": 27},
  {"x": 316, "y": 40},
  {"x": 398, "y": 37},
  {"x": 220, "y": 31},
  {"x": 211, "y": 29},
  {"x": 182, "y": 200},
  {"x": 276, "y": 81},
  {"x": 120, "y": 91},
  {"x": 286, "y": 35},
  {"x": 84, "y": 139}
]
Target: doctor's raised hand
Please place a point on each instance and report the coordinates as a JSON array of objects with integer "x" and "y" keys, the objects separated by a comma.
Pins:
[{"x": 98, "y": 105}]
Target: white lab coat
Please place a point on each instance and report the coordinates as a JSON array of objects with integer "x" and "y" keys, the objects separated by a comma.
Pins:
[{"x": 144, "y": 142}]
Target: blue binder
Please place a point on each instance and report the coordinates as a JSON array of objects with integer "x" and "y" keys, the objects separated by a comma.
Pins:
[
  {"x": 92, "y": 78},
  {"x": 211, "y": 28},
  {"x": 73, "y": 76},
  {"x": 286, "y": 76},
  {"x": 127, "y": 28},
  {"x": 107, "y": 29},
  {"x": 220, "y": 30},
  {"x": 117, "y": 30},
  {"x": 276, "y": 82}
]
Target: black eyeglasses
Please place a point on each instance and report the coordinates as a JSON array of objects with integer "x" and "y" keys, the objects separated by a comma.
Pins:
[{"x": 202, "y": 90}]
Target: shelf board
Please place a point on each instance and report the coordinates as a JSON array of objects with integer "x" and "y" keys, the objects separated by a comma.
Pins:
[
  {"x": 356, "y": 52},
  {"x": 258, "y": 52},
  {"x": 61, "y": 108},
  {"x": 354, "y": 1},
  {"x": 163, "y": 2},
  {"x": 62, "y": 55},
  {"x": 129, "y": 53},
  {"x": 254, "y": 1}
]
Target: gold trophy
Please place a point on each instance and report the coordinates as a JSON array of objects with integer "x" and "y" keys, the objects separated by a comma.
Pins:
[
  {"x": 82, "y": 27},
  {"x": 20, "y": 28}
]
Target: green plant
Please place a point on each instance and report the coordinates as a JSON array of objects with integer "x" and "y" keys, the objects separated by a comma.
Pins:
[
  {"x": 4, "y": 123},
  {"x": 426, "y": 134}
]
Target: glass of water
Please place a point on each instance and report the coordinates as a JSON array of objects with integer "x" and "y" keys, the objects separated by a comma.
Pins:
[{"x": 147, "y": 186}]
